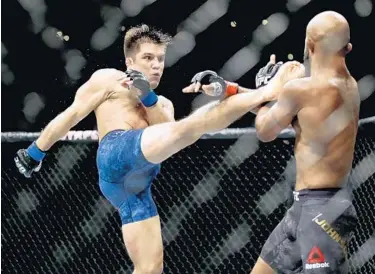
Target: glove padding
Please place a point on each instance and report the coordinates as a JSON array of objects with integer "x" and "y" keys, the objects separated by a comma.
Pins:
[
  {"x": 25, "y": 164},
  {"x": 266, "y": 73},
  {"x": 210, "y": 77},
  {"x": 139, "y": 81}
]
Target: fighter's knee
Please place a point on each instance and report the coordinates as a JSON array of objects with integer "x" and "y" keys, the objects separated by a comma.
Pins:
[
  {"x": 152, "y": 264},
  {"x": 152, "y": 267}
]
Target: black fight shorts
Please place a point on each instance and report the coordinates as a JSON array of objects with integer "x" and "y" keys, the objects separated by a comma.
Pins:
[{"x": 314, "y": 234}]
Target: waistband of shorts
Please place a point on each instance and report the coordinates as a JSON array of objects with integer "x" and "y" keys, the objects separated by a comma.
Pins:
[
  {"x": 305, "y": 194},
  {"x": 109, "y": 133}
]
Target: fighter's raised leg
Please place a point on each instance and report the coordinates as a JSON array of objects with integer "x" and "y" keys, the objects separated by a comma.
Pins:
[{"x": 161, "y": 141}]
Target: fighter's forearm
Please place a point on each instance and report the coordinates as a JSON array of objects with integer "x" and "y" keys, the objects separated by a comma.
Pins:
[
  {"x": 266, "y": 124},
  {"x": 243, "y": 90},
  {"x": 56, "y": 129}
]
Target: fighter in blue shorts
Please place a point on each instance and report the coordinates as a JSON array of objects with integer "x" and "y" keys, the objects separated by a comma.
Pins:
[{"x": 137, "y": 132}]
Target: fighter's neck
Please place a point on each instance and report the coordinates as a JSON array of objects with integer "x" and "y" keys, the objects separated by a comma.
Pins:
[{"x": 328, "y": 66}]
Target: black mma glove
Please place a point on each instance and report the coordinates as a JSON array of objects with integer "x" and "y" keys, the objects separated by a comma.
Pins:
[
  {"x": 221, "y": 87},
  {"x": 29, "y": 160},
  {"x": 266, "y": 73},
  {"x": 148, "y": 97}
]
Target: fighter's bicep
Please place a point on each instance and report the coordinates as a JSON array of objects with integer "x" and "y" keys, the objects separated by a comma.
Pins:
[{"x": 87, "y": 98}]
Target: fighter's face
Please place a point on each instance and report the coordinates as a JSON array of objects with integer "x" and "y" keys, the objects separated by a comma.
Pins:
[{"x": 149, "y": 60}]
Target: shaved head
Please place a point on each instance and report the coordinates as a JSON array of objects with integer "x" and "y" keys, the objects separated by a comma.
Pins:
[{"x": 329, "y": 33}]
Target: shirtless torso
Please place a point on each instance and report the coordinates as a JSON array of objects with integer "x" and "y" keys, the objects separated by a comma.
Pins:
[
  {"x": 121, "y": 110},
  {"x": 326, "y": 128}
]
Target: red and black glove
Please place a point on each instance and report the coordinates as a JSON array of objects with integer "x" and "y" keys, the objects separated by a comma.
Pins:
[{"x": 221, "y": 87}]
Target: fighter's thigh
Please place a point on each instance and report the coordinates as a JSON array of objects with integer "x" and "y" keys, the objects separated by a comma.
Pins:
[
  {"x": 280, "y": 252},
  {"x": 159, "y": 142},
  {"x": 143, "y": 241},
  {"x": 261, "y": 267}
]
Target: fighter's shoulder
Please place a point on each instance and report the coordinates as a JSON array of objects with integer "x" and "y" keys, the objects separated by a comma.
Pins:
[
  {"x": 164, "y": 99},
  {"x": 105, "y": 77},
  {"x": 338, "y": 84},
  {"x": 344, "y": 88},
  {"x": 297, "y": 85},
  {"x": 99, "y": 81},
  {"x": 296, "y": 89}
]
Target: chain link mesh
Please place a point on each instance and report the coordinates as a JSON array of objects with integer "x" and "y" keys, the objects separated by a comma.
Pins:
[{"x": 218, "y": 200}]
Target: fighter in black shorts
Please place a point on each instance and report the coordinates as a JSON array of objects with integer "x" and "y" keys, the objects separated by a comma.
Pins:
[{"x": 313, "y": 236}]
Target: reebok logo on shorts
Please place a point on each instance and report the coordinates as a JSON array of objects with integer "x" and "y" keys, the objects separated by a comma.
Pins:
[{"x": 316, "y": 259}]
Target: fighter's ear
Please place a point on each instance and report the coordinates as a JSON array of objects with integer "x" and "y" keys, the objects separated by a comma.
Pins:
[
  {"x": 348, "y": 48},
  {"x": 129, "y": 61}
]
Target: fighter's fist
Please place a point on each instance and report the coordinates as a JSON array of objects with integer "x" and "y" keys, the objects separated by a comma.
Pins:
[
  {"x": 266, "y": 73},
  {"x": 289, "y": 71},
  {"x": 211, "y": 84},
  {"x": 285, "y": 73},
  {"x": 26, "y": 164},
  {"x": 139, "y": 81},
  {"x": 279, "y": 73},
  {"x": 208, "y": 82}
]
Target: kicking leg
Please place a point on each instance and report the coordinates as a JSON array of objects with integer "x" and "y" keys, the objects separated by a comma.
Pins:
[{"x": 159, "y": 142}]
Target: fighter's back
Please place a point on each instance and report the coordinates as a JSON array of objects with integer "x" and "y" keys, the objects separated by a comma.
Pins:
[{"x": 326, "y": 131}]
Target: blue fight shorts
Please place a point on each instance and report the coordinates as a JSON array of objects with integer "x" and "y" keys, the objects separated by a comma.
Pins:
[{"x": 125, "y": 176}]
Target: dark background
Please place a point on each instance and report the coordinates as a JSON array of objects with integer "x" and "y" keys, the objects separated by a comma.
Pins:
[{"x": 38, "y": 68}]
